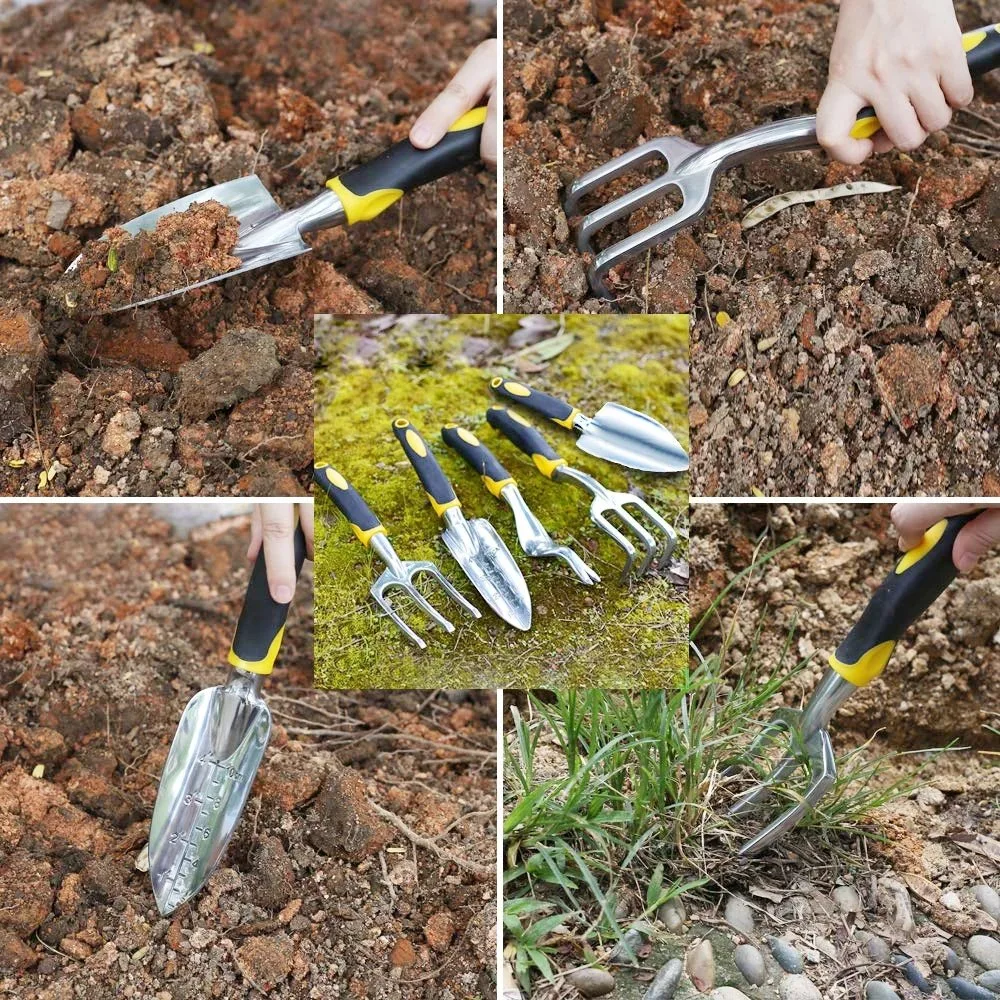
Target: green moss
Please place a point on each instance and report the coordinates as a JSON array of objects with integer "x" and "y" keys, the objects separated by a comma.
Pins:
[{"x": 436, "y": 370}]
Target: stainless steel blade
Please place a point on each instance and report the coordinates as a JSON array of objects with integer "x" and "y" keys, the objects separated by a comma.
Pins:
[
  {"x": 489, "y": 565},
  {"x": 218, "y": 746},
  {"x": 625, "y": 436}
]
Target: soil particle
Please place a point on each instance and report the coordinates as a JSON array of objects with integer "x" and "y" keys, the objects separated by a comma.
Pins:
[
  {"x": 342, "y": 822},
  {"x": 22, "y": 357},
  {"x": 266, "y": 961},
  {"x": 123, "y": 428},
  {"x": 439, "y": 930},
  {"x": 27, "y": 894},
  {"x": 909, "y": 380},
  {"x": 236, "y": 367},
  {"x": 402, "y": 953},
  {"x": 274, "y": 881}
]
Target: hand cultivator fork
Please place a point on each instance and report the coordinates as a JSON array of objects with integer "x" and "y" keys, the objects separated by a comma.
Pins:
[
  {"x": 397, "y": 573},
  {"x": 656, "y": 550},
  {"x": 920, "y": 577},
  {"x": 692, "y": 171}
]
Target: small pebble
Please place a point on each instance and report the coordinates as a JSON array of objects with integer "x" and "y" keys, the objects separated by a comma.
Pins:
[
  {"x": 965, "y": 990},
  {"x": 798, "y": 988},
  {"x": 728, "y": 993},
  {"x": 785, "y": 955},
  {"x": 751, "y": 963},
  {"x": 740, "y": 915},
  {"x": 847, "y": 899},
  {"x": 627, "y": 949},
  {"x": 664, "y": 985},
  {"x": 878, "y": 950},
  {"x": 591, "y": 982},
  {"x": 700, "y": 965},
  {"x": 991, "y": 980},
  {"x": 984, "y": 950},
  {"x": 672, "y": 915},
  {"x": 988, "y": 899},
  {"x": 877, "y": 990},
  {"x": 913, "y": 973},
  {"x": 952, "y": 963},
  {"x": 950, "y": 901}
]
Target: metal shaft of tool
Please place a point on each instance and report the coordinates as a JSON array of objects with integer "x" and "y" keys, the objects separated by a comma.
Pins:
[
  {"x": 320, "y": 212},
  {"x": 536, "y": 541}
]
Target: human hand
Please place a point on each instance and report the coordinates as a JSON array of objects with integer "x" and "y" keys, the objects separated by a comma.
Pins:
[
  {"x": 475, "y": 80},
  {"x": 904, "y": 58},
  {"x": 273, "y": 525},
  {"x": 977, "y": 538}
]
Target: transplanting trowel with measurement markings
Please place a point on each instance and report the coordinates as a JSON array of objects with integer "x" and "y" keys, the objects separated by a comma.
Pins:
[{"x": 216, "y": 751}]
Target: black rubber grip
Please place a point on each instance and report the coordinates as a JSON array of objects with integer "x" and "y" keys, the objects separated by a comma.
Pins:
[
  {"x": 986, "y": 55},
  {"x": 348, "y": 500},
  {"x": 263, "y": 618},
  {"x": 475, "y": 453},
  {"x": 538, "y": 402},
  {"x": 518, "y": 431},
  {"x": 404, "y": 167},
  {"x": 904, "y": 596},
  {"x": 434, "y": 481}
]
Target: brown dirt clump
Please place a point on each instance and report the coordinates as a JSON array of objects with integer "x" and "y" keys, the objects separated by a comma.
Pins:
[
  {"x": 184, "y": 248},
  {"x": 108, "y": 111},
  {"x": 100, "y": 649}
]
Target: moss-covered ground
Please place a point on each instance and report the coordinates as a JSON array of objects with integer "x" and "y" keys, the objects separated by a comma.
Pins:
[{"x": 434, "y": 370}]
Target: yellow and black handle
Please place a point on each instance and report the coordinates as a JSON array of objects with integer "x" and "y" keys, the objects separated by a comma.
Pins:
[
  {"x": 982, "y": 48},
  {"x": 518, "y": 431},
  {"x": 495, "y": 476},
  {"x": 348, "y": 501},
  {"x": 432, "y": 478},
  {"x": 538, "y": 402},
  {"x": 368, "y": 190},
  {"x": 261, "y": 625},
  {"x": 919, "y": 579}
]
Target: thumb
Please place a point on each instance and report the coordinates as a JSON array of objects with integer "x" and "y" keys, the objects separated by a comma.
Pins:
[
  {"x": 976, "y": 539},
  {"x": 835, "y": 117}
]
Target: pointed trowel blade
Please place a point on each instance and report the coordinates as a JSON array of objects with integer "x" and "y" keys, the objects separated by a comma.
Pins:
[
  {"x": 489, "y": 565},
  {"x": 630, "y": 438},
  {"x": 218, "y": 746}
]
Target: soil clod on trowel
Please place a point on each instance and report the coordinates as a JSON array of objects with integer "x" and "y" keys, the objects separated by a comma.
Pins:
[{"x": 184, "y": 249}]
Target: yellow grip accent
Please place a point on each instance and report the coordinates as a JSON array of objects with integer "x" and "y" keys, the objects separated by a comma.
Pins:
[
  {"x": 973, "y": 39},
  {"x": 514, "y": 388},
  {"x": 547, "y": 466},
  {"x": 440, "y": 508},
  {"x": 467, "y": 436},
  {"x": 264, "y": 666},
  {"x": 365, "y": 537},
  {"x": 363, "y": 207},
  {"x": 567, "y": 422},
  {"x": 335, "y": 478},
  {"x": 416, "y": 443},
  {"x": 471, "y": 119},
  {"x": 868, "y": 667},
  {"x": 495, "y": 487},
  {"x": 931, "y": 537},
  {"x": 865, "y": 128}
]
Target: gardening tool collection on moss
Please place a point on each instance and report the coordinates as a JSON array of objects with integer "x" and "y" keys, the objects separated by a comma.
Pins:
[
  {"x": 268, "y": 234},
  {"x": 215, "y": 753},
  {"x": 920, "y": 577},
  {"x": 692, "y": 171},
  {"x": 629, "y": 438}
]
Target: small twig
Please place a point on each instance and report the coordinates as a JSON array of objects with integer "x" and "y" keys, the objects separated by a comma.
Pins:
[{"x": 909, "y": 215}]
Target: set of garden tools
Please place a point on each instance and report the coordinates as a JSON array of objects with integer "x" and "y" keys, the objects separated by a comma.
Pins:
[
  {"x": 692, "y": 171},
  {"x": 616, "y": 433}
]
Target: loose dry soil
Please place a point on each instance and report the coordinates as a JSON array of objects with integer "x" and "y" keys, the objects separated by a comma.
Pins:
[
  {"x": 109, "y": 625},
  {"x": 867, "y": 326},
  {"x": 110, "y": 110}
]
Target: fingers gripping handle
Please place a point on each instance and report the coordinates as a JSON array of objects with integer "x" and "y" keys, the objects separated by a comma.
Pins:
[
  {"x": 349, "y": 502},
  {"x": 262, "y": 621},
  {"x": 434, "y": 481},
  {"x": 919, "y": 579},
  {"x": 518, "y": 431},
  {"x": 982, "y": 48},
  {"x": 478, "y": 456},
  {"x": 539, "y": 402},
  {"x": 368, "y": 190}
]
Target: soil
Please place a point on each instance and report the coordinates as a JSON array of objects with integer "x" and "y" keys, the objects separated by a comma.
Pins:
[
  {"x": 865, "y": 326},
  {"x": 435, "y": 370},
  {"x": 184, "y": 248},
  {"x": 111, "y": 110},
  {"x": 364, "y": 863}
]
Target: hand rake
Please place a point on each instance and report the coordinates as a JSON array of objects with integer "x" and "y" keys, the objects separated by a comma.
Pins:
[
  {"x": 397, "y": 573},
  {"x": 920, "y": 577}
]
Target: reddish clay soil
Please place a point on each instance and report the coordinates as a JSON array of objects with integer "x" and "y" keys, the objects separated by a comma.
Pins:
[
  {"x": 110, "y": 110},
  {"x": 867, "y": 326},
  {"x": 324, "y": 891}
]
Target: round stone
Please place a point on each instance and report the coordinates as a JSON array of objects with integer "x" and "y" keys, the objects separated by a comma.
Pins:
[
  {"x": 751, "y": 963},
  {"x": 952, "y": 963},
  {"x": 877, "y": 990},
  {"x": 672, "y": 915},
  {"x": 847, "y": 899},
  {"x": 728, "y": 993},
  {"x": 984, "y": 950},
  {"x": 591, "y": 982},
  {"x": 798, "y": 988},
  {"x": 965, "y": 990},
  {"x": 878, "y": 950},
  {"x": 785, "y": 955},
  {"x": 950, "y": 901},
  {"x": 990, "y": 980},
  {"x": 913, "y": 973},
  {"x": 664, "y": 986},
  {"x": 627, "y": 949},
  {"x": 740, "y": 915},
  {"x": 988, "y": 899}
]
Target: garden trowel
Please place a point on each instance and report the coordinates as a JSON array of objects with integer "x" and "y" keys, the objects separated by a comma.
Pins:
[
  {"x": 692, "y": 170},
  {"x": 919, "y": 579},
  {"x": 615, "y": 433},
  {"x": 474, "y": 543},
  {"x": 268, "y": 233},
  {"x": 216, "y": 751}
]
